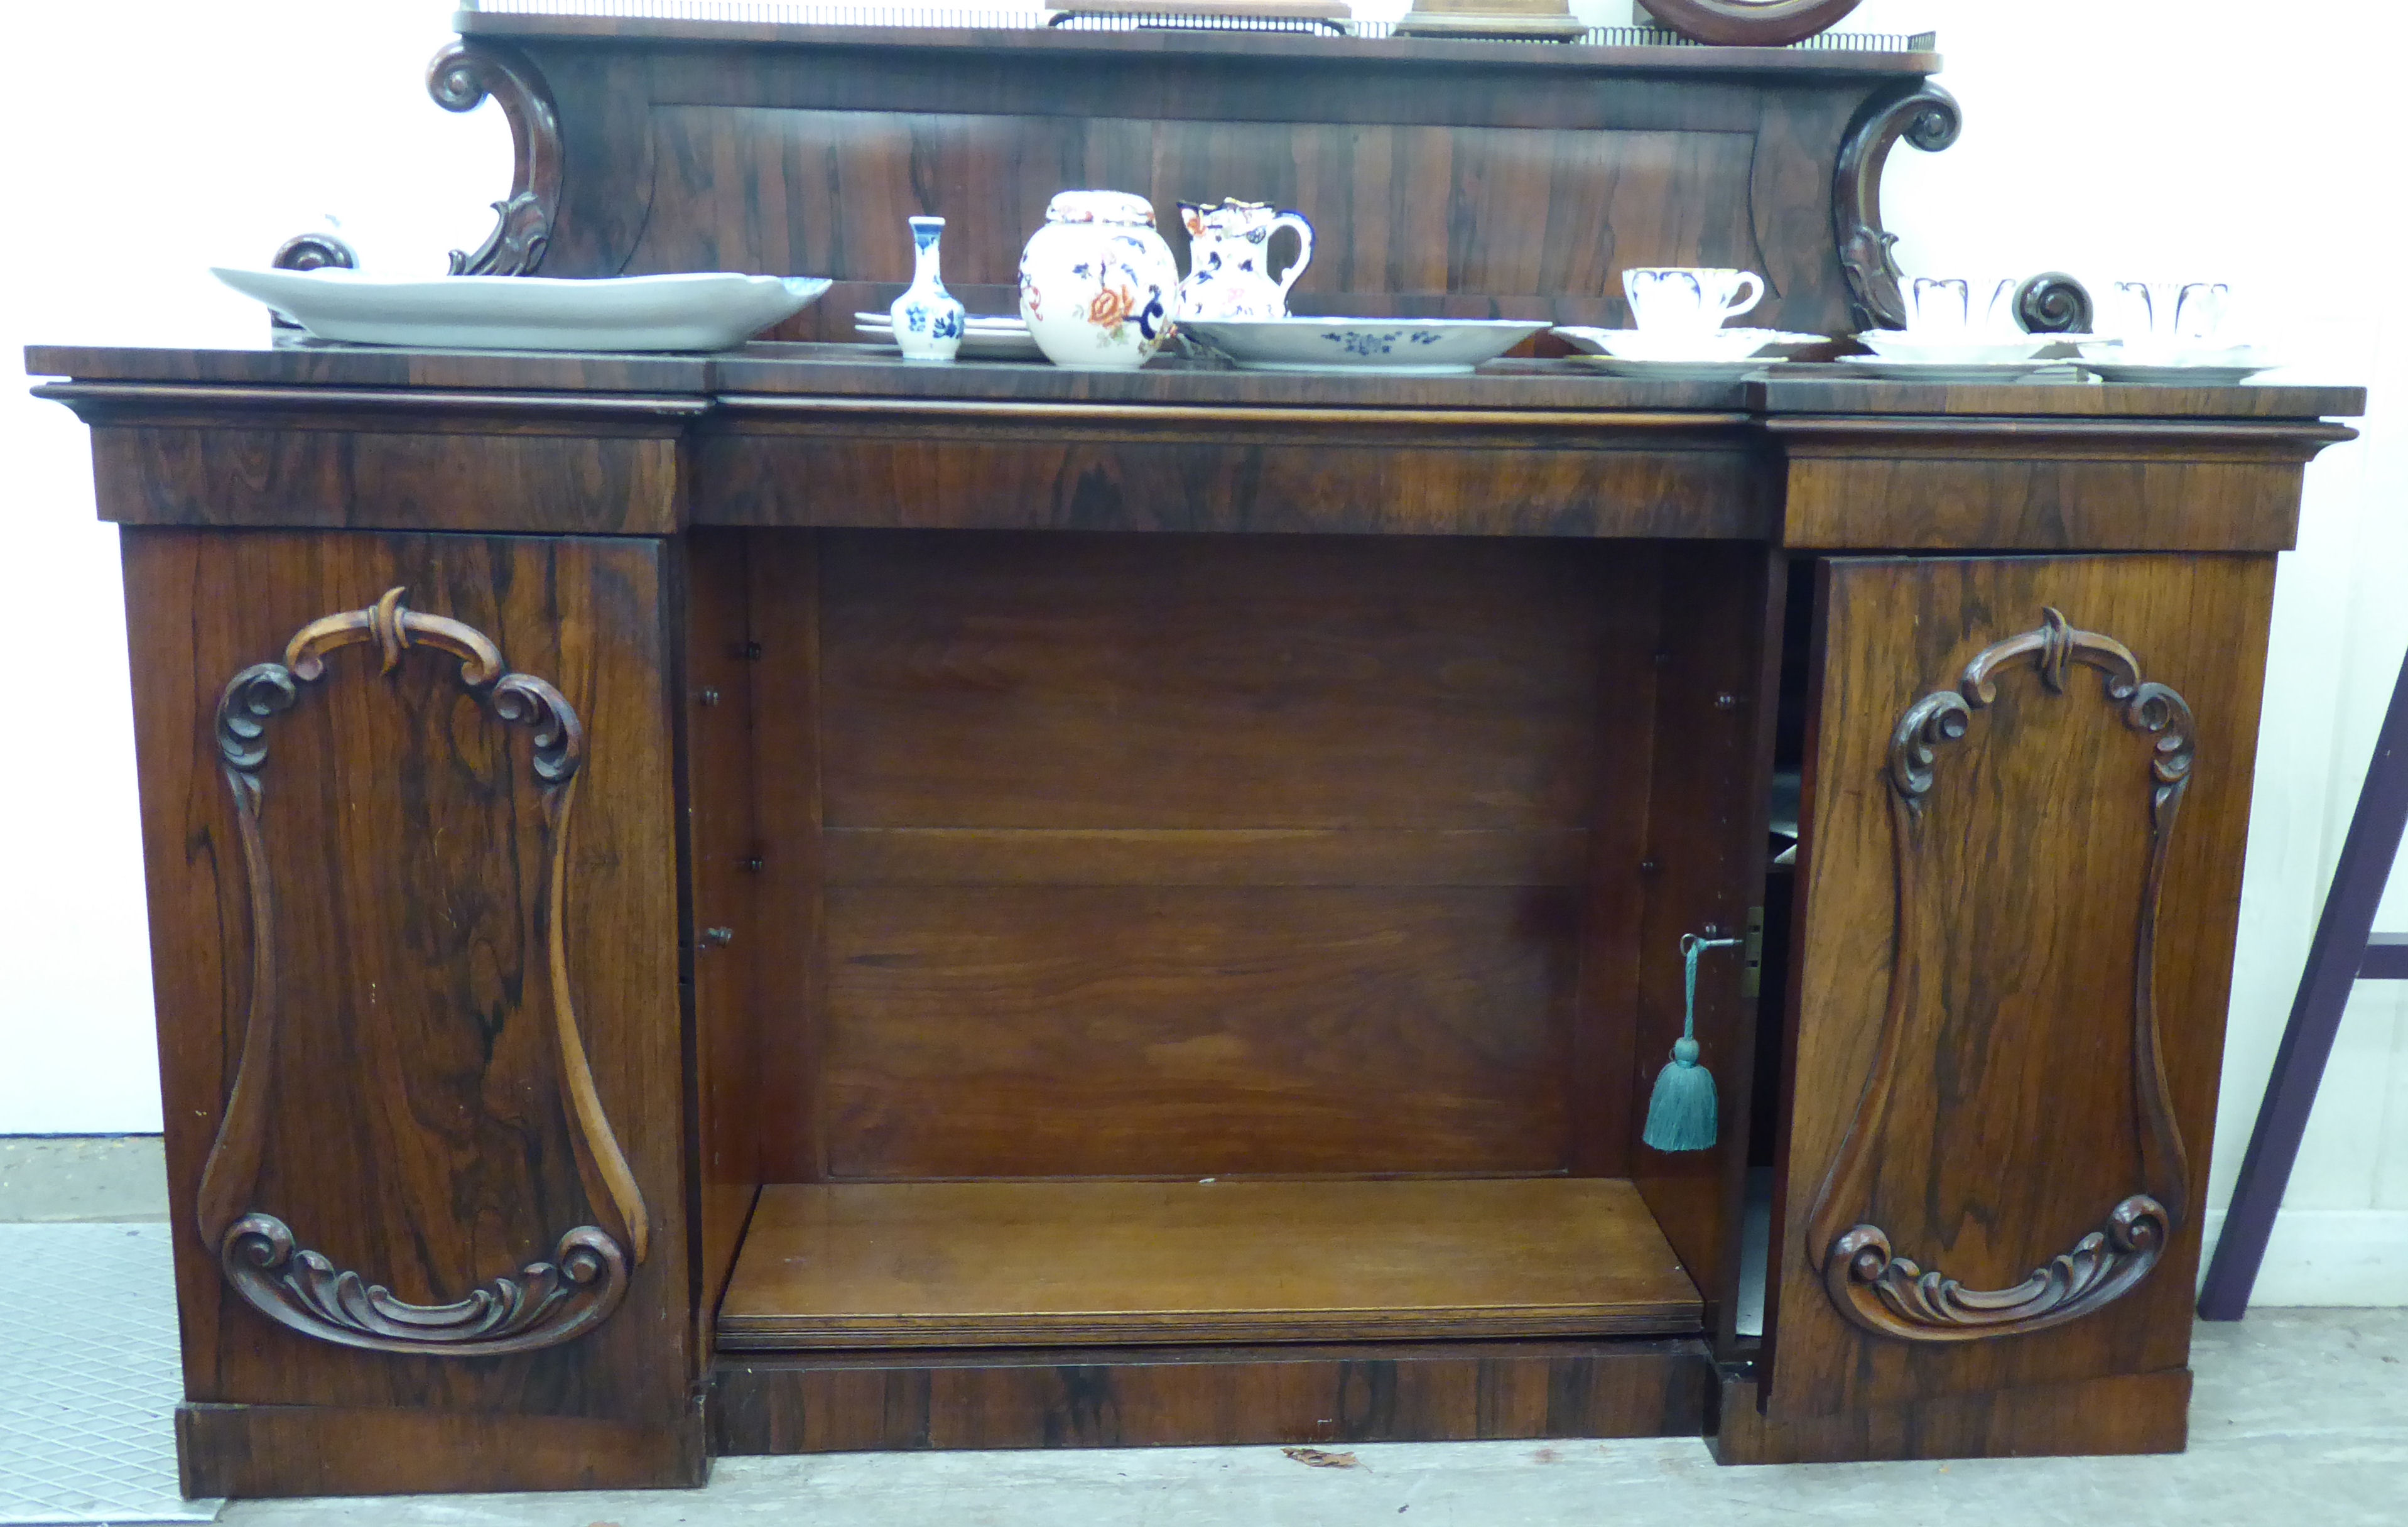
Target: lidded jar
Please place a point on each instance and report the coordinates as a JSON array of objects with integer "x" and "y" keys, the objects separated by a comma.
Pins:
[{"x": 1098, "y": 287}]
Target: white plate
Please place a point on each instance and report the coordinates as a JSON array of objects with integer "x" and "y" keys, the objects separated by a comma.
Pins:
[
  {"x": 705, "y": 311},
  {"x": 2221, "y": 366},
  {"x": 1400, "y": 346},
  {"x": 1896, "y": 370},
  {"x": 1921, "y": 349},
  {"x": 1712, "y": 348},
  {"x": 978, "y": 344}
]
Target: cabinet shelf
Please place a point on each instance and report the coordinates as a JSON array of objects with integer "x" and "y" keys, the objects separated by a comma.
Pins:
[{"x": 1056, "y": 1264}]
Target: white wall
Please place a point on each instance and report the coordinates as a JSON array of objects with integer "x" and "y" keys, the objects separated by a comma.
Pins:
[
  {"x": 2109, "y": 137},
  {"x": 153, "y": 140}
]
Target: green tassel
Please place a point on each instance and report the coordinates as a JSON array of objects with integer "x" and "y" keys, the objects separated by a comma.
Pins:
[{"x": 1681, "y": 1114}]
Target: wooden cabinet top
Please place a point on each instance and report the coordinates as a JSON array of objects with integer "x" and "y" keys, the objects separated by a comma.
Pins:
[{"x": 796, "y": 374}]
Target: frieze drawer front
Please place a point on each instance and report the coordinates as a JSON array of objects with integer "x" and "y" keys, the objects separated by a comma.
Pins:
[
  {"x": 2029, "y": 781},
  {"x": 426, "y": 1102}
]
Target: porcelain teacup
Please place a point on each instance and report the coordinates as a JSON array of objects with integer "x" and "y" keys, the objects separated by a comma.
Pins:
[
  {"x": 1688, "y": 299},
  {"x": 1959, "y": 307},
  {"x": 2166, "y": 315}
]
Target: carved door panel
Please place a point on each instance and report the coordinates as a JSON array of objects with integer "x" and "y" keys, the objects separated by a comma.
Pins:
[
  {"x": 408, "y": 819},
  {"x": 2027, "y": 785}
]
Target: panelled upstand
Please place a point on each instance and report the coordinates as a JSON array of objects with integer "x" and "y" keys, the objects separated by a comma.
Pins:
[{"x": 787, "y": 901}]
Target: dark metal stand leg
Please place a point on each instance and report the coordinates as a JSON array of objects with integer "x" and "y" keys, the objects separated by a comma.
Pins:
[{"x": 2334, "y": 960}]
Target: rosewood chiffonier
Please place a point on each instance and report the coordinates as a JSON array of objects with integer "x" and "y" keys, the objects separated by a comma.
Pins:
[{"x": 783, "y": 900}]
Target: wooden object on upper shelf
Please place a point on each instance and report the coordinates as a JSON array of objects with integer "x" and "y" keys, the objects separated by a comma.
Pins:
[
  {"x": 1550, "y": 21},
  {"x": 1749, "y": 23},
  {"x": 1328, "y": 13}
]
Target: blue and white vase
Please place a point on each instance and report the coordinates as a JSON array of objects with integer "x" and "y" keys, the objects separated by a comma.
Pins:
[{"x": 930, "y": 320}]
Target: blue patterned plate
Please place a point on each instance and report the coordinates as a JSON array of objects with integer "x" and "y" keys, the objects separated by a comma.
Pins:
[{"x": 1398, "y": 346}]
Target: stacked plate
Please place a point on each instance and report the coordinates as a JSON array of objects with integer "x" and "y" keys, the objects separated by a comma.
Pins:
[
  {"x": 986, "y": 339},
  {"x": 1711, "y": 355}
]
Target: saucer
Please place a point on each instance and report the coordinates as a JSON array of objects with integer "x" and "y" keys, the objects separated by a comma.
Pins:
[
  {"x": 1718, "y": 348},
  {"x": 2211, "y": 366},
  {"x": 1885, "y": 369},
  {"x": 1955, "y": 350}
]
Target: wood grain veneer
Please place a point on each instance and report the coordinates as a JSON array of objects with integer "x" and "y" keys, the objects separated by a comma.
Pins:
[
  {"x": 2012, "y": 938},
  {"x": 1174, "y": 1396},
  {"x": 1032, "y": 1263}
]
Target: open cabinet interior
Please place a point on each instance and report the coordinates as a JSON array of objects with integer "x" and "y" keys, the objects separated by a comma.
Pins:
[{"x": 1186, "y": 940}]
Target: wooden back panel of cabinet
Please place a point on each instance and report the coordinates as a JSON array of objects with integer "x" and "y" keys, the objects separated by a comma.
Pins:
[
  {"x": 418, "y": 1007},
  {"x": 1441, "y": 178},
  {"x": 1194, "y": 857},
  {"x": 2020, "y": 878}
]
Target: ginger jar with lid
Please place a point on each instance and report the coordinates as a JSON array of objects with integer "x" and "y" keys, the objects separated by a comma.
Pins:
[{"x": 1098, "y": 287}]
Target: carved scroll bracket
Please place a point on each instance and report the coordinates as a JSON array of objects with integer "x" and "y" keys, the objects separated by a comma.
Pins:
[
  {"x": 547, "y": 1301},
  {"x": 462, "y": 76},
  {"x": 1749, "y": 23},
  {"x": 1926, "y": 116},
  {"x": 2054, "y": 302},
  {"x": 1867, "y": 1281}
]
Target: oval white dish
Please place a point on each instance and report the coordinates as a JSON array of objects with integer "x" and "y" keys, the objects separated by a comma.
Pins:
[
  {"x": 702, "y": 310},
  {"x": 1400, "y": 346}
]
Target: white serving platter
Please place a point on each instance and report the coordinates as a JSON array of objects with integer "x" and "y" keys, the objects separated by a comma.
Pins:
[
  {"x": 1398, "y": 347},
  {"x": 984, "y": 339},
  {"x": 704, "y": 310}
]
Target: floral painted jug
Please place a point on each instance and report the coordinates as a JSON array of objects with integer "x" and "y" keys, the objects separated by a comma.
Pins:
[
  {"x": 1098, "y": 288},
  {"x": 1228, "y": 259},
  {"x": 928, "y": 320}
]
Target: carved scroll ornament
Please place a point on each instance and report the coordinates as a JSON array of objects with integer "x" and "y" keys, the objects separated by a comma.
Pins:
[
  {"x": 1749, "y": 23},
  {"x": 544, "y": 1303},
  {"x": 1870, "y": 1283},
  {"x": 1926, "y": 116},
  {"x": 463, "y": 75}
]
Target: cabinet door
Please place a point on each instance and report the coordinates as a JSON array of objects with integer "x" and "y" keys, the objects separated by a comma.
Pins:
[
  {"x": 2027, "y": 788},
  {"x": 408, "y": 822}
]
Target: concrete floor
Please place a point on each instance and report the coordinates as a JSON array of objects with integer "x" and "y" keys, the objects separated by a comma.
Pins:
[
  {"x": 48, "y": 1179},
  {"x": 2301, "y": 1420}
]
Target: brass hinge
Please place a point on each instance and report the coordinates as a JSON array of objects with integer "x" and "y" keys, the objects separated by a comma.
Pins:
[{"x": 1751, "y": 971}]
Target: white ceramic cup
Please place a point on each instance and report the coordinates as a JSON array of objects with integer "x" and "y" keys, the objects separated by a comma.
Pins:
[
  {"x": 1688, "y": 299},
  {"x": 2166, "y": 314},
  {"x": 1950, "y": 307}
]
